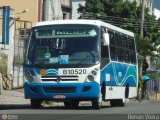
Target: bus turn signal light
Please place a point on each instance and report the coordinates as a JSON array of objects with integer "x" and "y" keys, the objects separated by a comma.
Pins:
[{"x": 43, "y": 72}]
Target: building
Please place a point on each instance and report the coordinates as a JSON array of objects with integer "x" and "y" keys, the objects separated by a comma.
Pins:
[
  {"x": 55, "y": 9},
  {"x": 19, "y": 6},
  {"x": 66, "y": 7},
  {"x": 22, "y": 12}
]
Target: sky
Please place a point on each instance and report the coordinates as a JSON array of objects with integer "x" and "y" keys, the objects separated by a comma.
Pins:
[{"x": 156, "y": 4}]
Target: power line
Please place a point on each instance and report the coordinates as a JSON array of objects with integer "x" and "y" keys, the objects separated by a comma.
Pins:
[
  {"x": 117, "y": 18},
  {"x": 116, "y": 21}
]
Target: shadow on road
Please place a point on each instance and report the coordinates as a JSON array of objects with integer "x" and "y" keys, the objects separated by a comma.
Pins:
[
  {"x": 14, "y": 106},
  {"x": 27, "y": 106}
]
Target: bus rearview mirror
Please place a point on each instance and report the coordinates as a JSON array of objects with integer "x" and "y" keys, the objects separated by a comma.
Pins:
[{"x": 106, "y": 39}]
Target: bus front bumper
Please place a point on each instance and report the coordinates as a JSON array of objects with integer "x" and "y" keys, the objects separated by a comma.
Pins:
[{"x": 62, "y": 91}]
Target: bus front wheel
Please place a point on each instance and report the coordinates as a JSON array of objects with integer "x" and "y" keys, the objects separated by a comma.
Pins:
[
  {"x": 68, "y": 104},
  {"x": 75, "y": 104},
  {"x": 35, "y": 104},
  {"x": 71, "y": 104},
  {"x": 97, "y": 103}
]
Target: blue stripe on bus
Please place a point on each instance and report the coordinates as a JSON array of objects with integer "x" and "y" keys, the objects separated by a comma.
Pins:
[
  {"x": 120, "y": 74},
  {"x": 36, "y": 71}
]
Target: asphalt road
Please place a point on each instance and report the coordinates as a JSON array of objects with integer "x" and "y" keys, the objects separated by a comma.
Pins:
[{"x": 85, "y": 112}]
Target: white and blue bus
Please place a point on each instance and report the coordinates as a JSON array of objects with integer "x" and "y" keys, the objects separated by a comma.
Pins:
[{"x": 80, "y": 60}]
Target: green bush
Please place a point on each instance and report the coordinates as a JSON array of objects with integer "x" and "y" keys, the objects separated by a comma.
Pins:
[{"x": 3, "y": 64}]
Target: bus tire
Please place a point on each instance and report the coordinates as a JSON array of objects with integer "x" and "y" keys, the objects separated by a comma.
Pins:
[
  {"x": 121, "y": 102},
  {"x": 71, "y": 104},
  {"x": 35, "y": 104},
  {"x": 113, "y": 103},
  {"x": 97, "y": 103},
  {"x": 118, "y": 103},
  {"x": 67, "y": 104},
  {"x": 75, "y": 104}
]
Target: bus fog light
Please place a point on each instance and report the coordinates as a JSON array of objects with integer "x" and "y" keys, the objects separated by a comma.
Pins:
[
  {"x": 94, "y": 72},
  {"x": 90, "y": 78}
]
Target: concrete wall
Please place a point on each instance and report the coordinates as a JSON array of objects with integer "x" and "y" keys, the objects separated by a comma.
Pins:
[
  {"x": 1, "y": 88},
  {"x": 65, "y": 2}
]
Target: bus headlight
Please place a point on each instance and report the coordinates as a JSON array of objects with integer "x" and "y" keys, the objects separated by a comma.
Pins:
[
  {"x": 92, "y": 75},
  {"x": 90, "y": 78}
]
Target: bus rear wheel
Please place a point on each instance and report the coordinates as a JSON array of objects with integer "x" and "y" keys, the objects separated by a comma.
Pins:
[
  {"x": 113, "y": 103},
  {"x": 119, "y": 102},
  {"x": 35, "y": 104},
  {"x": 122, "y": 102}
]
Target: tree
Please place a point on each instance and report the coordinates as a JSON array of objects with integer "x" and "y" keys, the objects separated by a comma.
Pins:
[{"x": 95, "y": 6}]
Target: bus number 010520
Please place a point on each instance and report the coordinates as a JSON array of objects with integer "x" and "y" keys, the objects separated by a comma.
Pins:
[{"x": 74, "y": 71}]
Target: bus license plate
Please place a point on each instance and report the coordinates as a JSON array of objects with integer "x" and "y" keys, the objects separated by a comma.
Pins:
[{"x": 59, "y": 97}]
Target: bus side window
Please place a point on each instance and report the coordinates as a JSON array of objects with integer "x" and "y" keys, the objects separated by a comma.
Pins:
[
  {"x": 113, "y": 47},
  {"x": 132, "y": 53},
  {"x": 104, "y": 51},
  {"x": 124, "y": 48},
  {"x": 118, "y": 38}
]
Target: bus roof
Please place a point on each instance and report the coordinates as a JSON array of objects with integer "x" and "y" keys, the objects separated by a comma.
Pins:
[{"x": 87, "y": 22}]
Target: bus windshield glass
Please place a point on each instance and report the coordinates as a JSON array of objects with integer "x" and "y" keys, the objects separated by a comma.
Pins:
[{"x": 63, "y": 45}]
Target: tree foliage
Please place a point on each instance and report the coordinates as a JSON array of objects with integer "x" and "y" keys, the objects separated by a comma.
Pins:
[{"x": 95, "y": 6}]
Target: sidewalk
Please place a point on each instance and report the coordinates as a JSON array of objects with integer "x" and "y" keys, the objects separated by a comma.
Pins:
[{"x": 14, "y": 97}]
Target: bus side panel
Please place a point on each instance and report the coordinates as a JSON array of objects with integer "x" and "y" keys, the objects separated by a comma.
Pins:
[{"x": 117, "y": 76}]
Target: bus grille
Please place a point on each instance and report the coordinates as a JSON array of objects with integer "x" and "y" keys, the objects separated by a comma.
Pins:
[
  {"x": 59, "y": 78},
  {"x": 59, "y": 89}
]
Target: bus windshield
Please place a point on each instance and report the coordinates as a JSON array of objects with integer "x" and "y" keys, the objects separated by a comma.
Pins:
[{"x": 63, "y": 45}]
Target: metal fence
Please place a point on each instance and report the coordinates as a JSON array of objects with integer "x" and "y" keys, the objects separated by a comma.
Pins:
[
  {"x": 21, "y": 31},
  {"x": 153, "y": 86}
]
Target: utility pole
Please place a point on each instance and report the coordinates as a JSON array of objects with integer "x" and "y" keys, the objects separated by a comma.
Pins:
[
  {"x": 142, "y": 19},
  {"x": 141, "y": 34},
  {"x": 141, "y": 31}
]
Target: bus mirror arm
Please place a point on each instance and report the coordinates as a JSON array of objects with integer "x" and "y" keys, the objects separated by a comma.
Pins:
[{"x": 106, "y": 39}]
